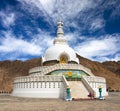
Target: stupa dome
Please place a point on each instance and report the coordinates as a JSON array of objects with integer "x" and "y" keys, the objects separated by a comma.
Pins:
[
  {"x": 57, "y": 51},
  {"x": 60, "y": 51}
]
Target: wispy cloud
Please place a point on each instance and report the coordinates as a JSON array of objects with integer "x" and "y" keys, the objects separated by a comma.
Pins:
[
  {"x": 12, "y": 44},
  {"x": 15, "y": 48},
  {"x": 97, "y": 24},
  {"x": 61, "y": 8},
  {"x": 100, "y": 49},
  {"x": 80, "y": 17},
  {"x": 55, "y": 9},
  {"x": 80, "y": 14},
  {"x": 7, "y": 18}
]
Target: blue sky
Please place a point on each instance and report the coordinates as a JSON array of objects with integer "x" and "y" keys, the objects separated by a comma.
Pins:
[{"x": 28, "y": 27}]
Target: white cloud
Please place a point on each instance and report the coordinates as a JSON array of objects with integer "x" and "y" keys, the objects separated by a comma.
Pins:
[
  {"x": 97, "y": 24},
  {"x": 116, "y": 58},
  {"x": 74, "y": 38},
  {"x": 105, "y": 58},
  {"x": 72, "y": 12},
  {"x": 114, "y": 7},
  {"x": 48, "y": 5},
  {"x": 95, "y": 49},
  {"x": 64, "y": 9},
  {"x": 7, "y": 18},
  {"x": 17, "y": 48},
  {"x": 43, "y": 39},
  {"x": 10, "y": 44},
  {"x": 99, "y": 49}
]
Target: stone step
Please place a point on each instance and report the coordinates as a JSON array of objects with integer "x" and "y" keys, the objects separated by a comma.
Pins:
[{"x": 78, "y": 90}]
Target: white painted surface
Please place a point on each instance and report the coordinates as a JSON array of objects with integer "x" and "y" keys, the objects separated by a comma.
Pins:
[
  {"x": 54, "y": 52},
  {"x": 39, "y": 90},
  {"x": 60, "y": 46},
  {"x": 55, "y": 86},
  {"x": 94, "y": 83}
]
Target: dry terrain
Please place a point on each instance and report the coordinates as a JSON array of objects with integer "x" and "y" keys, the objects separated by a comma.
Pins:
[
  {"x": 113, "y": 66},
  {"x": 11, "y": 69},
  {"x": 111, "y": 103}
]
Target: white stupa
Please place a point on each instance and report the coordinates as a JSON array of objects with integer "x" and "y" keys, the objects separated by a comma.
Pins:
[
  {"x": 60, "y": 50},
  {"x": 60, "y": 69}
]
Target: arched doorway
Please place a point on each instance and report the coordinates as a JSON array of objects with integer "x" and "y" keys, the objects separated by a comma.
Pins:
[{"x": 64, "y": 58}]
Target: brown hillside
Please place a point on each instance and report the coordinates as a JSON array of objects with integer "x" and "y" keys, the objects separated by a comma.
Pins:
[
  {"x": 113, "y": 66},
  {"x": 9, "y": 70},
  {"x": 99, "y": 69}
]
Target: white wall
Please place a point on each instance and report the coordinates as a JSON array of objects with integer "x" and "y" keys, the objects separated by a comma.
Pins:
[
  {"x": 94, "y": 83},
  {"x": 39, "y": 89}
]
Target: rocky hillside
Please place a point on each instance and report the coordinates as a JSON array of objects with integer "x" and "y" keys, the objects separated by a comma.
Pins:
[
  {"x": 9, "y": 70},
  {"x": 99, "y": 69},
  {"x": 113, "y": 66}
]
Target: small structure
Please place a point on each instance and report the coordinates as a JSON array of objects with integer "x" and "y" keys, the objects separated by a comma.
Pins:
[
  {"x": 60, "y": 68},
  {"x": 4, "y": 93},
  {"x": 100, "y": 92},
  {"x": 68, "y": 98}
]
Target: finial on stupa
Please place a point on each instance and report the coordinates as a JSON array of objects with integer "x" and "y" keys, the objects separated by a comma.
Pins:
[{"x": 60, "y": 32}]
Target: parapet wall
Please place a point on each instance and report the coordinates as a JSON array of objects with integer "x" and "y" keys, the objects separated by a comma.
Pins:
[
  {"x": 47, "y": 69},
  {"x": 42, "y": 86},
  {"x": 94, "y": 83}
]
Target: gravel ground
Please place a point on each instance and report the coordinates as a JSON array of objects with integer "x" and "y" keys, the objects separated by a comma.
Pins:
[{"x": 8, "y": 103}]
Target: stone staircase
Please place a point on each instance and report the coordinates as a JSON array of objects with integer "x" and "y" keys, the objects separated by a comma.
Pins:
[{"x": 78, "y": 90}]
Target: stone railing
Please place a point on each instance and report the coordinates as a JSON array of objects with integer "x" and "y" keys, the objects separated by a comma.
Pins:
[
  {"x": 65, "y": 84},
  {"x": 93, "y": 83},
  {"x": 37, "y": 78},
  {"x": 87, "y": 85},
  {"x": 39, "y": 69},
  {"x": 43, "y": 81},
  {"x": 47, "y": 69},
  {"x": 95, "y": 79},
  {"x": 38, "y": 82},
  {"x": 4, "y": 93}
]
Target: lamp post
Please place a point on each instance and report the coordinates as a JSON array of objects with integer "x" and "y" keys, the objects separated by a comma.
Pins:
[
  {"x": 100, "y": 92},
  {"x": 68, "y": 94}
]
